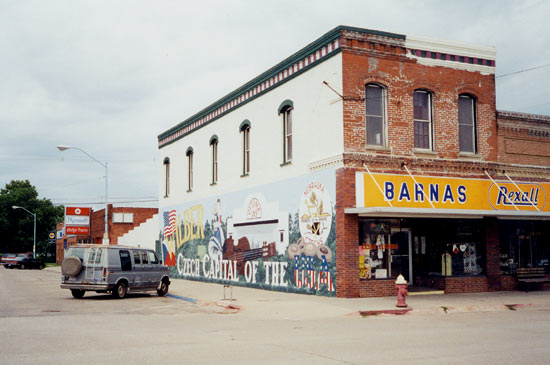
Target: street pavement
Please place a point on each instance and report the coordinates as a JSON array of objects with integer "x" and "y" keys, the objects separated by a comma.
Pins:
[{"x": 260, "y": 303}]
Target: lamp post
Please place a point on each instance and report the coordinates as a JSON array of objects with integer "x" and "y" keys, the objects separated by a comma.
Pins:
[
  {"x": 34, "y": 230},
  {"x": 106, "y": 235}
]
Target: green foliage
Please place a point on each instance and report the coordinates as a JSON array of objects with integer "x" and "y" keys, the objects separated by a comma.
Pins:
[{"x": 16, "y": 225}]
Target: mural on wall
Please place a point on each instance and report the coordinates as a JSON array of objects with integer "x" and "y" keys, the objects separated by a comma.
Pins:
[{"x": 280, "y": 237}]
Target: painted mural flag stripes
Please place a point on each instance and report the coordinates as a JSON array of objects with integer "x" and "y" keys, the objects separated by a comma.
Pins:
[{"x": 169, "y": 223}]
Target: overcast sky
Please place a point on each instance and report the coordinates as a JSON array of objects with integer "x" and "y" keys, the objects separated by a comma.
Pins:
[{"x": 109, "y": 76}]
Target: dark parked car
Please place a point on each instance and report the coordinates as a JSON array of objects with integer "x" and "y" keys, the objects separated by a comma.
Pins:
[{"x": 22, "y": 261}]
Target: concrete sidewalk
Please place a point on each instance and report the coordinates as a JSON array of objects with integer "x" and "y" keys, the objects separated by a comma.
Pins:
[
  {"x": 261, "y": 303},
  {"x": 257, "y": 302}
]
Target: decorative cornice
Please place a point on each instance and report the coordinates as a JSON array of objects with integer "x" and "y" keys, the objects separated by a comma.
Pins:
[
  {"x": 525, "y": 117},
  {"x": 333, "y": 161},
  {"x": 444, "y": 166},
  {"x": 434, "y": 52}
]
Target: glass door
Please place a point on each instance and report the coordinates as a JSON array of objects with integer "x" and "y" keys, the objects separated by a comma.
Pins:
[{"x": 401, "y": 257}]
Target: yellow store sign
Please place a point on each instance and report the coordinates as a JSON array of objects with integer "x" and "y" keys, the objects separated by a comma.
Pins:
[{"x": 401, "y": 191}]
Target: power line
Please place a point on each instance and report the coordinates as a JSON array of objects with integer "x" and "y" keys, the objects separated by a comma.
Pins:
[{"x": 527, "y": 69}]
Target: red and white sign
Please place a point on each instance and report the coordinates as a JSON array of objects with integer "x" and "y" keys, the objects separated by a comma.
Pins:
[
  {"x": 77, "y": 220},
  {"x": 78, "y": 230},
  {"x": 77, "y": 211}
]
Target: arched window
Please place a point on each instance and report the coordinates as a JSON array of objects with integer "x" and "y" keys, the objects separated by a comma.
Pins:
[
  {"x": 245, "y": 130},
  {"x": 467, "y": 124},
  {"x": 214, "y": 148},
  {"x": 189, "y": 155},
  {"x": 423, "y": 120},
  {"x": 285, "y": 110},
  {"x": 375, "y": 99},
  {"x": 166, "y": 165}
]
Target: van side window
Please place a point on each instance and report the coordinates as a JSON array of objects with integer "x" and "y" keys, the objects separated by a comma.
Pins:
[
  {"x": 98, "y": 256},
  {"x": 152, "y": 257},
  {"x": 125, "y": 261},
  {"x": 137, "y": 260},
  {"x": 144, "y": 257},
  {"x": 91, "y": 256}
]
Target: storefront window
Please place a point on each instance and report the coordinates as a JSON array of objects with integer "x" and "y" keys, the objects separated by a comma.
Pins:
[
  {"x": 383, "y": 250},
  {"x": 374, "y": 250},
  {"x": 447, "y": 247},
  {"x": 524, "y": 244},
  {"x": 420, "y": 249}
]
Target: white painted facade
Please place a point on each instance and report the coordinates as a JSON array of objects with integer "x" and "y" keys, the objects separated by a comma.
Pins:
[
  {"x": 145, "y": 235},
  {"x": 317, "y": 133}
]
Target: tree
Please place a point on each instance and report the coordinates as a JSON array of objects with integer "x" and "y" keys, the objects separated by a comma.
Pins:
[{"x": 16, "y": 226}]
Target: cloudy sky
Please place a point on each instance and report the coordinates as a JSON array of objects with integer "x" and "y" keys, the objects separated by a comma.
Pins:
[{"x": 108, "y": 76}]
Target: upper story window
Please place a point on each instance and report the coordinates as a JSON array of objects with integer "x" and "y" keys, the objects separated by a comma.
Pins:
[
  {"x": 285, "y": 110},
  {"x": 375, "y": 96},
  {"x": 166, "y": 164},
  {"x": 423, "y": 122},
  {"x": 467, "y": 124},
  {"x": 245, "y": 130},
  {"x": 189, "y": 155},
  {"x": 214, "y": 148}
]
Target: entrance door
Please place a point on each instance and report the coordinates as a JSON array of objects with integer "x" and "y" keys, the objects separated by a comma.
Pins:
[{"x": 401, "y": 257}]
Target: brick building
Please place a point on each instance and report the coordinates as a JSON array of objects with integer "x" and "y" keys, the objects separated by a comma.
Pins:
[
  {"x": 121, "y": 220},
  {"x": 363, "y": 156}
]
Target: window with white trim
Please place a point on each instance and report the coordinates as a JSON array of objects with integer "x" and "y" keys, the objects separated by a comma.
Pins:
[
  {"x": 214, "y": 148},
  {"x": 166, "y": 164},
  {"x": 467, "y": 140},
  {"x": 287, "y": 134},
  {"x": 245, "y": 130},
  {"x": 375, "y": 100},
  {"x": 189, "y": 154},
  {"x": 423, "y": 122}
]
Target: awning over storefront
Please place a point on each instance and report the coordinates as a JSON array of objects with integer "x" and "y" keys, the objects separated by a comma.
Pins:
[{"x": 405, "y": 195}]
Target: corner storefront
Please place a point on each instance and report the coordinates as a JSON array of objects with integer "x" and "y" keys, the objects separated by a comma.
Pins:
[{"x": 451, "y": 234}]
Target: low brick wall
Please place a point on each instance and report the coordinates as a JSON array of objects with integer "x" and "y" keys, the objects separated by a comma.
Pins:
[
  {"x": 376, "y": 288},
  {"x": 474, "y": 284}
]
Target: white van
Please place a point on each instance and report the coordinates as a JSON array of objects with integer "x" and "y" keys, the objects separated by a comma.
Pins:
[{"x": 114, "y": 269}]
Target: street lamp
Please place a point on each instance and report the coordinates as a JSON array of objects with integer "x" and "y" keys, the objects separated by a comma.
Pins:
[
  {"x": 106, "y": 235},
  {"x": 34, "y": 236}
]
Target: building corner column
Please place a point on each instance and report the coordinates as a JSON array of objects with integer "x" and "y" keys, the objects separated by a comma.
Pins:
[{"x": 492, "y": 253}]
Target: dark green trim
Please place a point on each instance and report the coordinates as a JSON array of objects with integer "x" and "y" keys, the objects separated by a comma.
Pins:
[
  {"x": 244, "y": 175},
  {"x": 286, "y": 163},
  {"x": 245, "y": 123},
  {"x": 327, "y": 38},
  {"x": 189, "y": 151},
  {"x": 285, "y": 104},
  {"x": 166, "y": 161},
  {"x": 213, "y": 139},
  {"x": 213, "y": 184}
]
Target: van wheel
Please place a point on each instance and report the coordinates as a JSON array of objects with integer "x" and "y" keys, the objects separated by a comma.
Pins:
[
  {"x": 77, "y": 293},
  {"x": 23, "y": 267},
  {"x": 163, "y": 289},
  {"x": 120, "y": 290}
]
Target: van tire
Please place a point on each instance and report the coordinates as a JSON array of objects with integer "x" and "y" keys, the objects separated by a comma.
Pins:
[
  {"x": 77, "y": 293},
  {"x": 163, "y": 288},
  {"x": 71, "y": 266},
  {"x": 120, "y": 290}
]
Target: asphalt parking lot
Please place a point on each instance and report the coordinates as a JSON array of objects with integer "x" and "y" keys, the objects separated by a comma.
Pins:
[{"x": 42, "y": 323}]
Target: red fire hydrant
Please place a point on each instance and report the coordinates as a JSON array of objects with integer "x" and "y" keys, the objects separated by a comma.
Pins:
[{"x": 401, "y": 287}]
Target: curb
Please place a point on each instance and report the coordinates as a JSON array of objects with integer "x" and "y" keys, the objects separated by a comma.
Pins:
[{"x": 449, "y": 309}]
